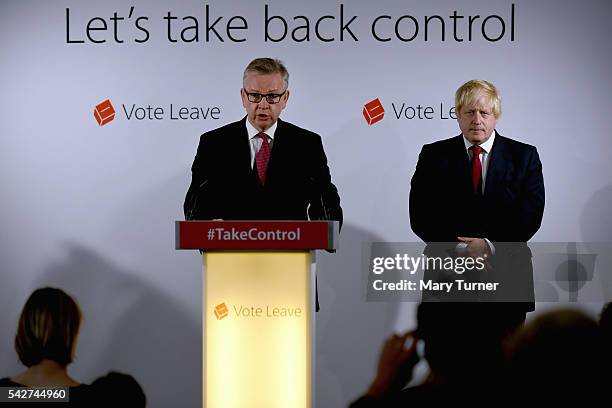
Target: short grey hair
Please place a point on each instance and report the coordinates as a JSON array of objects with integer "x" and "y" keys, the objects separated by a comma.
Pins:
[{"x": 267, "y": 66}]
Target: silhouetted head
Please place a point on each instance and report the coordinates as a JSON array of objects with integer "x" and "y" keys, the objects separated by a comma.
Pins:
[
  {"x": 559, "y": 350},
  {"x": 120, "y": 390},
  {"x": 462, "y": 340},
  {"x": 605, "y": 331},
  {"x": 48, "y": 328},
  {"x": 605, "y": 322}
]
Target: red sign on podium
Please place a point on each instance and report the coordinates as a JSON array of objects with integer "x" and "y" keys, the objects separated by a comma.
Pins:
[{"x": 272, "y": 235}]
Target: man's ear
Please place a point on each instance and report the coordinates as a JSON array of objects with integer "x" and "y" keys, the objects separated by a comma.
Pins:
[{"x": 243, "y": 97}]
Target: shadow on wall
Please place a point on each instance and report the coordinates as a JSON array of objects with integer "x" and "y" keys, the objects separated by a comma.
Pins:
[
  {"x": 596, "y": 217},
  {"x": 596, "y": 227},
  {"x": 130, "y": 326},
  {"x": 372, "y": 170},
  {"x": 349, "y": 329},
  {"x": 373, "y": 180}
]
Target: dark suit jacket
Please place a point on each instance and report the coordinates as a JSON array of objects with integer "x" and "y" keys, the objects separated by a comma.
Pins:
[
  {"x": 443, "y": 205},
  {"x": 298, "y": 183}
]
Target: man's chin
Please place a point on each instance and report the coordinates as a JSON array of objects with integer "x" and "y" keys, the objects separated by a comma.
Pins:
[
  {"x": 264, "y": 124},
  {"x": 478, "y": 137}
]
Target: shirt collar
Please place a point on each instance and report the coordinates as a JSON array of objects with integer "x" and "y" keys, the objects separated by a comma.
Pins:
[
  {"x": 486, "y": 146},
  {"x": 252, "y": 132}
]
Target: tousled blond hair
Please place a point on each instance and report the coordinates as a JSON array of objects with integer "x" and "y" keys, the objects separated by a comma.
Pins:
[{"x": 473, "y": 90}]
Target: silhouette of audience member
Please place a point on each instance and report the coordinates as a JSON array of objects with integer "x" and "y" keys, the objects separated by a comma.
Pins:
[
  {"x": 397, "y": 360},
  {"x": 45, "y": 343},
  {"x": 463, "y": 346},
  {"x": 119, "y": 390},
  {"x": 605, "y": 331},
  {"x": 605, "y": 318},
  {"x": 557, "y": 358}
]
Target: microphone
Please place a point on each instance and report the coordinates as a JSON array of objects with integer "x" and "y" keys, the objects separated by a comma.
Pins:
[
  {"x": 326, "y": 215},
  {"x": 320, "y": 197},
  {"x": 194, "y": 203}
]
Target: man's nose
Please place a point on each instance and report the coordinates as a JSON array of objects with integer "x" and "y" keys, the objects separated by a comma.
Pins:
[{"x": 263, "y": 103}]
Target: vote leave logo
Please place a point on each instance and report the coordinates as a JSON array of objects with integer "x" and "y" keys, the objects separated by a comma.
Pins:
[
  {"x": 240, "y": 311},
  {"x": 221, "y": 311},
  {"x": 104, "y": 112},
  {"x": 373, "y": 111},
  {"x": 132, "y": 112}
]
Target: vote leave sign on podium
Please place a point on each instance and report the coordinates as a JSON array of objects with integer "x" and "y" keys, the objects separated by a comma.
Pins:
[{"x": 258, "y": 309}]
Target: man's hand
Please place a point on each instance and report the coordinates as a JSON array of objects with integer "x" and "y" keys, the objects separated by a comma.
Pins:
[
  {"x": 476, "y": 246},
  {"x": 397, "y": 360}
]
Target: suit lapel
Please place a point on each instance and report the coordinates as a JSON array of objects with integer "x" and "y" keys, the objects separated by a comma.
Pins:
[
  {"x": 241, "y": 145},
  {"x": 498, "y": 159},
  {"x": 462, "y": 164}
]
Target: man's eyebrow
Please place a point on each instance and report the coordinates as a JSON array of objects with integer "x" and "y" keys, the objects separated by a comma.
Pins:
[{"x": 274, "y": 92}]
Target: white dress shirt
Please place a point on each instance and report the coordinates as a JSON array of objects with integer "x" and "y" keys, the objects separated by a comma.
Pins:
[
  {"x": 484, "y": 155},
  {"x": 255, "y": 142}
]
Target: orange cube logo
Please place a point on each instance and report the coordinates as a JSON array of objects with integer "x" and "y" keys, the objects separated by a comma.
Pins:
[
  {"x": 373, "y": 111},
  {"x": 221, "y": 311},
  {"x": 104, "y": 112}
]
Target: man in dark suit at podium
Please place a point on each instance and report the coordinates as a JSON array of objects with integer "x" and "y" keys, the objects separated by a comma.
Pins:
[
  {"x": 261, "y": 167},
  {"x": 479, "y": 189}
]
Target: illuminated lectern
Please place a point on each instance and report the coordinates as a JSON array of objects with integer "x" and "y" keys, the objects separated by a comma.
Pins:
[{"x": 258, "y": 309}]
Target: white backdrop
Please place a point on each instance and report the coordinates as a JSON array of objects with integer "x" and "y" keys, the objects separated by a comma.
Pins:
[{"x": 91, "y": 209}]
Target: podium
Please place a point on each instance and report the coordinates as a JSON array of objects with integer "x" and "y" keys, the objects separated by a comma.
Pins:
[{"x": 258, "y": 309}]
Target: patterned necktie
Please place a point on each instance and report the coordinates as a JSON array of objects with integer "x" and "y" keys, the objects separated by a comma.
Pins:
[
  {"x": 476, "y": 167},
  {"x": 263, "y": 157}
]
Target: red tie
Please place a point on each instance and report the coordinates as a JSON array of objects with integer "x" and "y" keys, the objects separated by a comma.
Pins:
[
  {"x": 263, "y": 157},
  {"x": 476, "y": 167}
]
